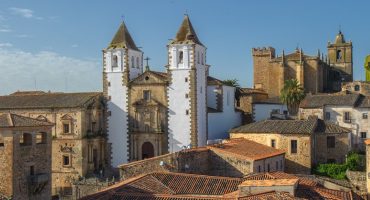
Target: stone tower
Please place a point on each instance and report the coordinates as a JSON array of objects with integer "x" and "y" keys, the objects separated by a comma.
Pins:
[
  {"x": 188, "y": 71},
  {"x": 122, "y": 62},
  {"x": 340, "y": 57}
]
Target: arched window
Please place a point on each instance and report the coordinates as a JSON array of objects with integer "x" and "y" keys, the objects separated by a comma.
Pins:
[
  {"x": 137, "y": 62},
  {"x": 115, "y": 61},
  {"x": 147, "y": 150},
  {"x": 198, "y": 58},
  {"x": 339, "y": 55},
  {"x": 202, "y": 59},
  {"x": 181, "y": 57},
  {"x": 132, "y": 62}
]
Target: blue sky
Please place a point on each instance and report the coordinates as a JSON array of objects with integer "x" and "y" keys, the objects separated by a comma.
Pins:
[{"x": 56, "y": 45}]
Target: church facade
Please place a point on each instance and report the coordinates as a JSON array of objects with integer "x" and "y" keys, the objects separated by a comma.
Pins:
[
  {"x": 315, "y": 73},
  {"x": 150, "y": 113}
]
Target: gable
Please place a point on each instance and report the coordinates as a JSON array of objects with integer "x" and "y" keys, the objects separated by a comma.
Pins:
[{"x": 150, "y": 77}]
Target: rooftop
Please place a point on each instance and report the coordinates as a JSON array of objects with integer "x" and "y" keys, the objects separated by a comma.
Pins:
[
  {"x": 247, "y": 149},
  {"x": 271, "y": 182},
  {"x": 309, "y": 126},
  {"x": 9, "y": 120},
  {"x": 21, "y": 100},
  {"x": 186, "y": 33},
  {"x": 122, "y": 39},
  {"x": 318, "y": 101}
]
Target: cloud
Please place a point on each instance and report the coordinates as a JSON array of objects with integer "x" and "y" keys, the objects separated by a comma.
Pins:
[
  {"x": 7, "y": 44},
  {"x": 74, "y": 45},
  {"x": 51, "y": 71},
  {"x": 23, "y": 36},
  {"x": 24, "y": 12},
  {"x": 5, "y": 30}
]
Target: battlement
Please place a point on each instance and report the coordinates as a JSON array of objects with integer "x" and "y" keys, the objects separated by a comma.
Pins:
[{"x": 263, "y": 51}]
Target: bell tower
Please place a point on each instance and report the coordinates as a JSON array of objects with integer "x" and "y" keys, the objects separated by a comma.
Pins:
[
  {"x": 340, "y": 57},
  {"x": 122, "y": 62},
  {"x": 187, "y": 117}
]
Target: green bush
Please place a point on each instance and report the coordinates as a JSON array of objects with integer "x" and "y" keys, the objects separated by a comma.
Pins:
[{"x": 338, "y": 171}]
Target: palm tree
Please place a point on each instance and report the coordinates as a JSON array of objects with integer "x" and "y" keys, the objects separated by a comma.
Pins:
[
  {"x": 231, "y": 82},
  {"x": 292, "y": 94}
]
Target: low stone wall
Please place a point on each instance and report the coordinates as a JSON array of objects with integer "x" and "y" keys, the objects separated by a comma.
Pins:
[
  {"x": 188, "y": 161},
  {"x": 88, "y": 186},
  {"x": 357, "y": 180},
  {"x": 194, "y": 161}
]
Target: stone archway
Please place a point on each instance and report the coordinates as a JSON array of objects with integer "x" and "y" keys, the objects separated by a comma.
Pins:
[{"x": 147, "y": 150}]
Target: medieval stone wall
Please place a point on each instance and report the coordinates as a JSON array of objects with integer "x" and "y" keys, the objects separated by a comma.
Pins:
[{"x": 338, "y": 153}]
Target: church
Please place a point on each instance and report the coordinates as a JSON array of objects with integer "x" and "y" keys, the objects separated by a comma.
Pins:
[
  {"x": 151, "y": 113},
  {"x": 315, "y": 73}
]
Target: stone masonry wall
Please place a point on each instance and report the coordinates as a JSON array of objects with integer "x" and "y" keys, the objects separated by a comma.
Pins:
[
  {"x": 6, "y": 160},
  {"x": 339, "y": 152},
  {"x": 299, "y": 162}
]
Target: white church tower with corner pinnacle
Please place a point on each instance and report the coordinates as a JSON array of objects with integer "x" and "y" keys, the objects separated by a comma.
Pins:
[
  {"x": 122, "y": 62},
  {"x": 188, "y": 71}
]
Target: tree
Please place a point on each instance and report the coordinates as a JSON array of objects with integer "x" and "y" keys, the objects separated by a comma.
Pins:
[
  {"x": 231, "y": 82},
  {"x": 292, "y": 94}
]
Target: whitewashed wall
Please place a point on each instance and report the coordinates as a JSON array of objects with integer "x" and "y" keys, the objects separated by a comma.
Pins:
[
  {"x": 263, "y": 111},
  {"x": 220, "y": 123},
  {"x": 211, "y": 97}
]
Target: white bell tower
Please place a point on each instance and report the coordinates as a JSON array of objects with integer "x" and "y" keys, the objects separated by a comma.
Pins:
[
  {"x": 122, "y": 62},
  {"x": 187, "y": 90}
]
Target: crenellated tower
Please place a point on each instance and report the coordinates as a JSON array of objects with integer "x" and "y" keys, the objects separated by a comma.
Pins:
[
  {"x": 187, "y": 117},
  {"x": 122, "y": 62}
]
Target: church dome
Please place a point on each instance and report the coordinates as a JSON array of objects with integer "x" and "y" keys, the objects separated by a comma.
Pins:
[{"x": 339, "y": 38}]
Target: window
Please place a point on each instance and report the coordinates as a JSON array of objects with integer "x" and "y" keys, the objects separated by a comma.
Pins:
[
  {"x": 330, "y": 141},
  {"x": 268, "y": 167},
  {"x": 93, "y": 126},
  {"x": 181, "y": 57},
  {"x": 25, "y": 139},
  {"x": 293, "y": 146},
  {"x": 132, "y": 62},
  {"x": 364, "y": 115},
  {"x": 202, "y": 59},
  {"x": 276, "y": 166},
  {"x": 1, "y": 141},
  {"x": 339, "y": 55},
  {"x": 228, "y": 98},
  {"x": 115, "y": 61},
  {"x": 186, "y": 95},
  {"x": 259, "y": 168},
  {"x": 198, "y": 58},
  {"x": 32, "y": 170},
  {"x": 357, "y": 88},
  {"x": 66, "y": 160},
  {"x": 186, "y": 79},
  {"x": 347, "y": 117},
  {"x": 273, "y": 143},
  {"x": 41, "y": 138},
  {"x": 281, "y": 164},
  {"x": 146, "y": 95},
  {"x": 327, "y": 115},
  {"x": 66, "y": 128},
  {"x": 363, "y": 135},
  {"x": 108, "y": 83},
  {"x": 187, "y": 112},
  {"x": 137, "y": 62},
  {"x": 201, "y": 89}
]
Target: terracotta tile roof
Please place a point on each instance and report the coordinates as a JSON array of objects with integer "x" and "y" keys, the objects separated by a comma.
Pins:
[
  {"x": 367, "y": 141},
  {"x": 167, "y": 185},
  {"x": 46, "y": 100},
  {"x": 12, "y": 120},
  {"x": 318, "y": 101},
  {"x": 309, "y": 126},
  {"x": 186, "y": 33},
  {"x": 364, "y": 102},
  {"x": 122, "y": 39},
  {"x": 213, "y": 81},
  {"x": 248, "y": 91},
  {"x": 307, "y": 189},
  {"x": 271, "y": 182},
  {"x": 246, "y": 149}
]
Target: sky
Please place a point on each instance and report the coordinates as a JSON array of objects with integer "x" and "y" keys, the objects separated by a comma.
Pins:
[{"x": 57, "y": 45}]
